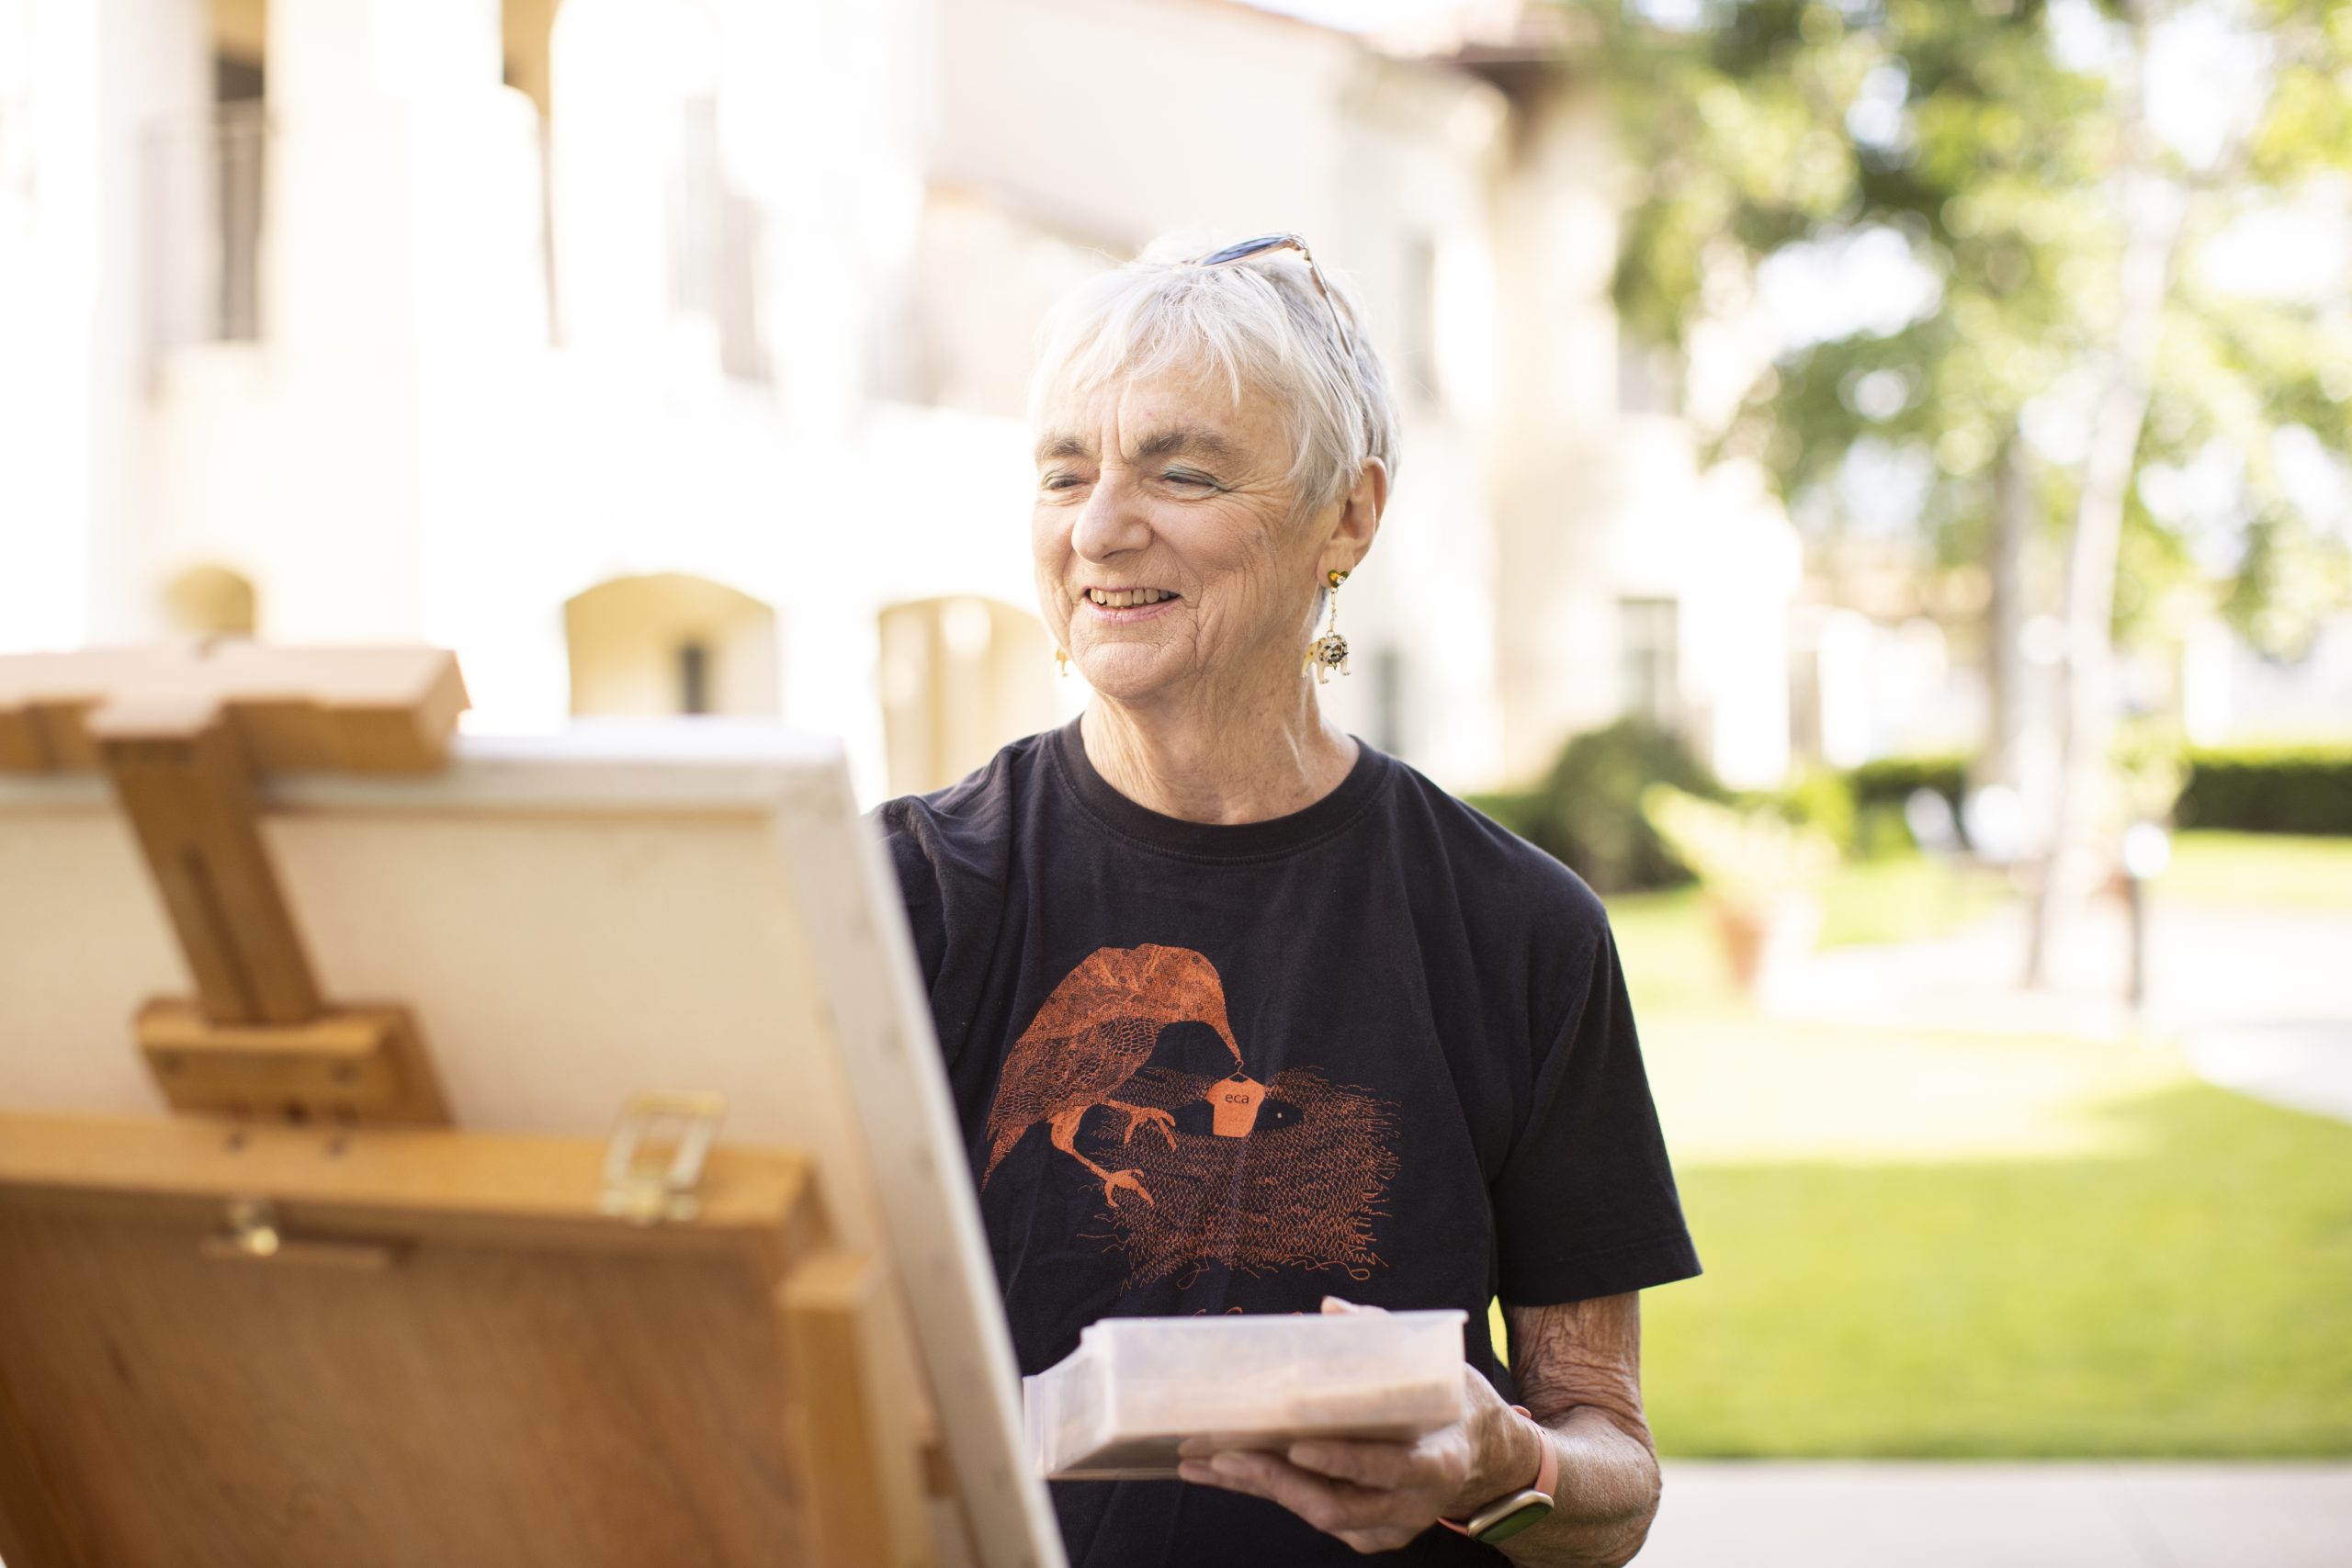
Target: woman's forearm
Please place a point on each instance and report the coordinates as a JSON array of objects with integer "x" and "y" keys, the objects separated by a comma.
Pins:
[
  {"x": 1578, "y": 1367},
  {"x": 1608, "y": 1496}
]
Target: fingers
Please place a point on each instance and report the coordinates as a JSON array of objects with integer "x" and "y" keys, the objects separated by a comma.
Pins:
[
  {"x": 1335, "y": 1305},
  {"x": 1335, "y": 1508},
  {"x": 1390, "y": 1467}
]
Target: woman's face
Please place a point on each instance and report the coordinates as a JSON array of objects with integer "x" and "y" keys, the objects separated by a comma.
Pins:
[{"x": 1167, "y": 494}]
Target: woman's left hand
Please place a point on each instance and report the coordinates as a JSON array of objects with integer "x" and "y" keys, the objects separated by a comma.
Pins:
[{"x": 1377, "y": 1496}]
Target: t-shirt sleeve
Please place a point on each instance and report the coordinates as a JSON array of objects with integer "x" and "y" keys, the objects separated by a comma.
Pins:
[
  {"x": 1586, "y": 1204},
  {"x": 918, "y": 888}
]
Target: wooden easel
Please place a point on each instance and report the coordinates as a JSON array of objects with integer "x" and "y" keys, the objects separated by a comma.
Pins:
[{"x": 304, "y": 1320}]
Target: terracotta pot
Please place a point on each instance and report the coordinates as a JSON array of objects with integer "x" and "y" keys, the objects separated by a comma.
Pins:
[{"x": 1764, "y": 934}]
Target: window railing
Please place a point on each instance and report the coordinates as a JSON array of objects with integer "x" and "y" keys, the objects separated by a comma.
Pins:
[
  {"x": 207, "y": 209},
  {"x": 205, "y": 175},
  {"x": 715, "y": 237}
]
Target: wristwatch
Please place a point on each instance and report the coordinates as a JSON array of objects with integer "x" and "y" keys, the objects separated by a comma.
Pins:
[{"x": 1515, "y": 1511}]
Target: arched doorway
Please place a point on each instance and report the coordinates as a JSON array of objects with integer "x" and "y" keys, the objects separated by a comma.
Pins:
[
  {"x": 211, "y": 601},
  {"x": 672, "y": 644},
  {"x": 960, "y": 677}
]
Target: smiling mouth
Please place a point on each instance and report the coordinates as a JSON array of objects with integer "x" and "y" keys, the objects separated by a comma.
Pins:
[{"x": 1121, "y": 599}]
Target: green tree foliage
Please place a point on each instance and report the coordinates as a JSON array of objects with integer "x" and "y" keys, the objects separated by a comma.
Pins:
[{"x": 2005, "y": 159}]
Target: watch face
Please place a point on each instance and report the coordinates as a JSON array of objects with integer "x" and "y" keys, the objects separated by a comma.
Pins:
[{"x": 1534, "y": 1511}]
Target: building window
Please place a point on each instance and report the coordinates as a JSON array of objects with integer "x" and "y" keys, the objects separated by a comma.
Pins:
[
  {"x": 1647, "y": 635},
  {"x": 204, "y": 202},
  {"x": 694, "y": 677},
  {"x": 714, "y": 247}
]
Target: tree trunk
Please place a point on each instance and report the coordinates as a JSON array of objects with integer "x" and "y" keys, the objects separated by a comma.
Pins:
[
  {"x": 2004, "y": 616},
  {"x": 2085, "y": 703}
]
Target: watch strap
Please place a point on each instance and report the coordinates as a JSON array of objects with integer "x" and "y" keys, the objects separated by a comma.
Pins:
[
  {"x": 1547, "y": 1477},
  {"x": 1547, "y": 1470}
]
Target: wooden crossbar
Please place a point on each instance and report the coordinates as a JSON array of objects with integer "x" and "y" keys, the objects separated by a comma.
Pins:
[
  {"x": 182, "y": 733},
  {"x": 291, "y": 709}
]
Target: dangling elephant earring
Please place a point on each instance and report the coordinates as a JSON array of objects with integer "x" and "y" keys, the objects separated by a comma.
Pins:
[
  {"x": 1062, "y": 659},
  {"x": 1330, "y": 651}
]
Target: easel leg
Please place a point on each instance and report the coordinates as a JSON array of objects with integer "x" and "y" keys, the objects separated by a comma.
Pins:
[
  {"x": 859, "y": 1448},
  {"x": 189, "y": 798}
]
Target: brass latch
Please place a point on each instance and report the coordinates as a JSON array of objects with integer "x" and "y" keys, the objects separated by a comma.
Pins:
[
  {"x": 647, "y": 1192},
  {"x": 255, "y": 1234},
  {"x": 251, "y": 1230}
]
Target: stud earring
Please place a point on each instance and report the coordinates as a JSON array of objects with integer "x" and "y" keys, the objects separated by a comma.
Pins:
[
  {"x": 1330, "y": 651},
  {"x": 1062, "y": 659}
]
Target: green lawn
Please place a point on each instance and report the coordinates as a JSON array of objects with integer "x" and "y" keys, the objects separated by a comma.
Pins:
[
  {"x": 2275, "y": 870},
  {"x": 1935, "y": 1243},
  {"x": 1902, "y": 899}
]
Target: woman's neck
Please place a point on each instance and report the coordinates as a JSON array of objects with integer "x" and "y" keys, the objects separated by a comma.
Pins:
[{"x": 1243, "y": 759}]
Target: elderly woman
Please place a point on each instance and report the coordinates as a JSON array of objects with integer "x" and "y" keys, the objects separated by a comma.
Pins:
[{"x": 1242, "y": 1015}]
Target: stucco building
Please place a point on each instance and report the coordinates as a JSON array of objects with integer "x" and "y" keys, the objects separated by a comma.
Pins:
[{"x": 668, "y": 357}]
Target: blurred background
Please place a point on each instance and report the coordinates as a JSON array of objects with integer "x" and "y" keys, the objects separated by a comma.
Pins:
[{"x": 1875, "y": 500}]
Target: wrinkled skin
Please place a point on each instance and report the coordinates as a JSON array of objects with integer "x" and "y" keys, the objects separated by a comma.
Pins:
[
  {"x": 1170, "y": 482},
  {"x": 1578, "y": 1368}
]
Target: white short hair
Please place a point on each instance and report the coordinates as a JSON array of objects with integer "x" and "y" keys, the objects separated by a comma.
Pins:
[{"x": 1259, "y": 322}]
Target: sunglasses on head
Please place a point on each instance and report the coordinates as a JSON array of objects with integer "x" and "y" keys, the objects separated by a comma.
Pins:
[{"x": 1243, "y": 250}]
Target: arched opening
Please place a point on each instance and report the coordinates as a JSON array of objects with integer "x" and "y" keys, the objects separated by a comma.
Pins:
[
  {"x": 524, "y": 30},
  {"x": 960, "y": 677},
  {"x": 211, "y": 601},
  {"x": 672, "y": 644}
]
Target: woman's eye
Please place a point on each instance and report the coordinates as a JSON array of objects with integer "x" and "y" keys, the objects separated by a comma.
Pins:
[
  {"x": 1061, "y": 482},
  {"x": 1182, "y": 476}
]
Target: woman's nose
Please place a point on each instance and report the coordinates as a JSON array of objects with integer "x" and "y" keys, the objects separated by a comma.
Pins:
[{"x": 1112, "y": 521}]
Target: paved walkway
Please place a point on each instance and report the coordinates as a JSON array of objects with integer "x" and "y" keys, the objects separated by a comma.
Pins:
[
  {"x": 1781, "y": 1514},
  {"x": 2259, "y": 1000},
  {"x": 2262, "y": 1003}
]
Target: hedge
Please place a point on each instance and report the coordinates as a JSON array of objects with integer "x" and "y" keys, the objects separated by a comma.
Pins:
[
  {"x": 1890, "y": 781},
  {"x": 2268, "y": 789},
  {"x": 1587, "y": 811}
]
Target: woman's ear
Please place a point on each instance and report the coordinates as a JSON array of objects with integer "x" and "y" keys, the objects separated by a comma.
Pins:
[{"x": 1359, "y": 517}]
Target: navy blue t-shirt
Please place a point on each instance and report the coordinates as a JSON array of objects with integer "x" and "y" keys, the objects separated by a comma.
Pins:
[{"x": 1379, "y": 1048}]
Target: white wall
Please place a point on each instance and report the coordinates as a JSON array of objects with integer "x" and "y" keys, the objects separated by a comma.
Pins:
[
  {"x": 1141, "y": 116},
  {"x": 85, "y": 82}
]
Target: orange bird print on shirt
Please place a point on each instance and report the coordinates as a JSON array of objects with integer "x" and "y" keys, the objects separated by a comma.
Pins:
[{"x": 1092, "y": 1035}]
